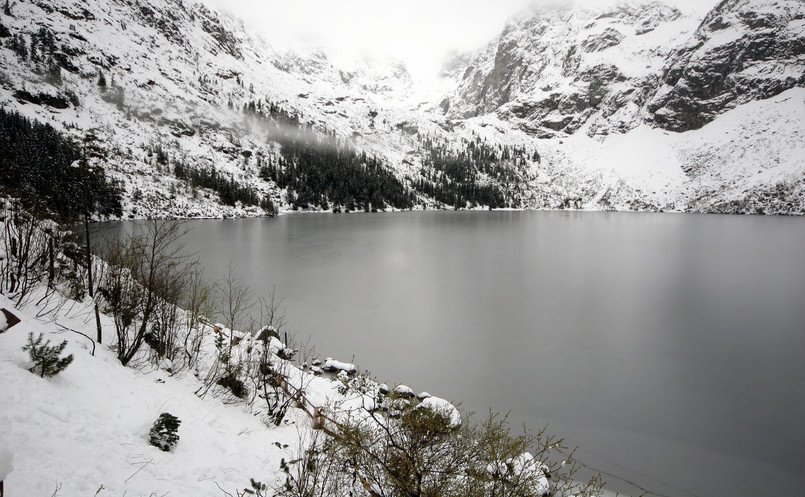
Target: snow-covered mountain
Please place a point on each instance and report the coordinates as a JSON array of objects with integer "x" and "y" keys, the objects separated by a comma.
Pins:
[
  {"x": 743, "y": 50},
  {"x": 639, "y": 106},
  {"x": 555, "y": 68},
  {"x": 602, "y": 86}
]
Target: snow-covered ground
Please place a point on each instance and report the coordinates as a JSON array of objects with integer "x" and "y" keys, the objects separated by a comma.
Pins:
[{"x": 87, "y": 428}]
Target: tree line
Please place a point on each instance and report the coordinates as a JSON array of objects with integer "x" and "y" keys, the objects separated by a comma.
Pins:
[
  {"x": 470, "y": 173},
  {"x": 319, "y": 170},
  {"x": 50, "y": 173}
]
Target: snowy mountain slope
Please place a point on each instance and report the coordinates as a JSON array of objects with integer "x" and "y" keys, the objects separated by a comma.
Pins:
[
  {"x": 743, "y": 50},
  {"x": 592, "y": 85},
  {"x": 87, "y": 428},
  {"x": 554, "y": 68},
  {"x": 175, "y": 79},
  {"x": 161, "y": 82},
  {"x": 747, "y": 160}
]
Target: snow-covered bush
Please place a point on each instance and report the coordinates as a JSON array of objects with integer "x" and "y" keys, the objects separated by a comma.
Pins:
[
  {"x": 163, "y": 434},
  {"x": 46, "y": 357},
  {"x": 425, "y": 449}
]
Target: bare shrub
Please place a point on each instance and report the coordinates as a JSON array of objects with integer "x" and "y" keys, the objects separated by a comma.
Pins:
[
  {"x": 198, "y": 304},
  {"x": 27, "y": 254},
  {"x": 143, "y": 286}
]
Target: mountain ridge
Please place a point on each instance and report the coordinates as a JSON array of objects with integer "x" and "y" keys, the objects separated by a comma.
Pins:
[{"x": 186, "y": 85}]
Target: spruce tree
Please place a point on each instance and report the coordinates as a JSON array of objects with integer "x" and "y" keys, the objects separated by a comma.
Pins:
[
  {"x": 46, "y": 358},
  {"x": 163, "y": 434}
]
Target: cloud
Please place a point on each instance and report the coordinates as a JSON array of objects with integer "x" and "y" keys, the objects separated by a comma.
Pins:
[{"x": 418, "y": 32}]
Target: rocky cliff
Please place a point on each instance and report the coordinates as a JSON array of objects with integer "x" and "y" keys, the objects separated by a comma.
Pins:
[{"x": 744, "y": 50}]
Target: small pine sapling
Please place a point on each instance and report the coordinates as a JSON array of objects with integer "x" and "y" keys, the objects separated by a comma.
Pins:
[
  {"x": 45, "y": 357},
  {"x": 163, "y": 434}
]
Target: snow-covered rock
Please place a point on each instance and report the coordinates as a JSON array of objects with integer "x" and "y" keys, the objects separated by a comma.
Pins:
[
  {"x": 443, "y": 408},
  {"x": 404, "y": 391},
  {"x": 333, "y": 365}
]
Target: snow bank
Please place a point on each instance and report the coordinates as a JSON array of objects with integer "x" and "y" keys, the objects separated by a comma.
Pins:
[
  {"x": 3, "y": 322},
  {"x": 443, "y": 408}
]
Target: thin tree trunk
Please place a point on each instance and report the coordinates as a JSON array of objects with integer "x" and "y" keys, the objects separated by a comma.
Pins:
[
  {"x": 90, "y": 284},
  {"x": 89, "y": 257}
]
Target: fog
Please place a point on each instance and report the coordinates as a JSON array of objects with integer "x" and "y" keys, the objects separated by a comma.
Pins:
[{"x": 418, "y": 32}]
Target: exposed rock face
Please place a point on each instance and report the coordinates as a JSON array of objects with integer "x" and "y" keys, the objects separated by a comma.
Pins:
[
  {"x": 552, "y": 69},
  {"x": 744, "y": 50}
]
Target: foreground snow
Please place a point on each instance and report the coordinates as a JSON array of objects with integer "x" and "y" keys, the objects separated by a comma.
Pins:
[{"x": 87, "y": 428}]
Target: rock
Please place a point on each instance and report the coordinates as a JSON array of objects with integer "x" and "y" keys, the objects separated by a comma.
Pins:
[
  {"x": 266, "y": 333},
  {"x": 7, "y": 320},
  {"x": 609, "y": 38}
]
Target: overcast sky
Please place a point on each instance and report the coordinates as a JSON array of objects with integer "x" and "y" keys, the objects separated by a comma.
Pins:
[{"x": 419, "y": 32}]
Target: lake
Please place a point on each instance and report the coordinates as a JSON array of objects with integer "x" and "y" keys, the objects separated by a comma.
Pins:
[{"x": 670, "y": 348}]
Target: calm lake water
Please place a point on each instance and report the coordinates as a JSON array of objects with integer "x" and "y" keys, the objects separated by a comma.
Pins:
[{"x": 670, "y": 348}]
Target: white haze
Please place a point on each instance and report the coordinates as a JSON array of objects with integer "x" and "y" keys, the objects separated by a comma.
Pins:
[{"x": 418, "y": 32}]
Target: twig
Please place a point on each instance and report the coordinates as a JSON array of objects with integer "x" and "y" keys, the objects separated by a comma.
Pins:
[
  {"x": 82, "y": 334},
  {"x": 222, "y": 490},
  {"x": 135, "y": 473}
]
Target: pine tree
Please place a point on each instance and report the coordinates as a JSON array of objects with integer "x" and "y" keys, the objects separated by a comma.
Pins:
[
  {"x": 46, "y": 358},
  {"x": 163, "y": 434}
]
